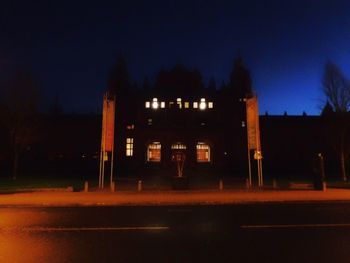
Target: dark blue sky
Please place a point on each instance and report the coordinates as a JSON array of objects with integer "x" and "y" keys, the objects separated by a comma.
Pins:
[{"x": 71, "y": 45}]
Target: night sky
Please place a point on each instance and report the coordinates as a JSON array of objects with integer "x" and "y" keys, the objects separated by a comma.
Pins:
[{"x": 72, "y": 45}]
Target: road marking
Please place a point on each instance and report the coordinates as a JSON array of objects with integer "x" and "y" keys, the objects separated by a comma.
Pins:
[
  {"x": 76, "y": 229},
  {"x": 295, "y": 226}
]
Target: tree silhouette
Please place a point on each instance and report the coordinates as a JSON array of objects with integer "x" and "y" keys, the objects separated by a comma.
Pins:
[
  {"x": 119, "y": 85},
  {"x": 146, "y": 86},
  {"x": 223, "y": 86},
  {"x": 56, "y": 108},
  {"x": 336, "y": 89},
  {"x": 240, "y": 80},
  {"x": 118, "y": 81},
  {"x": 327, "y": 110},
  {"x": 20, "y": 114},
  {"x": 212, "y": 84},
  {"x": 179, "y": 81}
]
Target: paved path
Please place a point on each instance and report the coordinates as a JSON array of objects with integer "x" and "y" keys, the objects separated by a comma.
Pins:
[{"x": 169, "y": 197}]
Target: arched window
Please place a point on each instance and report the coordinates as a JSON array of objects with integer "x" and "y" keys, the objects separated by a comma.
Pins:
[
  {"x": 154, "y": 152},
  {"x": 203, "y": 152}
]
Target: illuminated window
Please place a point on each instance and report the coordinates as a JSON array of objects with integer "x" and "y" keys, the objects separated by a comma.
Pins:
[
  {"x": 162, "y": 104},
  {"x": 178, "y": 146},
  {"x": 155, "y": 103},
  {"x": 147, "y": 104},
  {"x": 203, "y": 152},
  {"x": 129, "y": 146},
  {"x": 186, "y": 104},
  {"x": 202, "y": 104},
  {"x": 149, "y": 121},
  {"x": 179, "y": 103},
  {"x": 210, "y": 105},
  {"x": 130, "y": 127},
  {"x": 154, "y": 152},
  {"x": 171, "y": 104},
  {"x": 195, "y": 105}
]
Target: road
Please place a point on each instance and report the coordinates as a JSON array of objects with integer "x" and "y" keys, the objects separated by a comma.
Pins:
[{"x": 265, "y": 232}]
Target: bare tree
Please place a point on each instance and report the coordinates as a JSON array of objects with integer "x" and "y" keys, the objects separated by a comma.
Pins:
[
  {"x": 336, "y": 88},
  {"x": 19, "y": 114}
]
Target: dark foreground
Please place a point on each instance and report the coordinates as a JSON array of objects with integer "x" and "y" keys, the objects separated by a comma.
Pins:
[{"x": 293, "y": 232}]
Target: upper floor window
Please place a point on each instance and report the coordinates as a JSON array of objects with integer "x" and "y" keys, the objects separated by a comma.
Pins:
[
  {"x": 202, "y": 104},
  {"x": 155, "y": 103},
  {"x": 179, "y": 102}
]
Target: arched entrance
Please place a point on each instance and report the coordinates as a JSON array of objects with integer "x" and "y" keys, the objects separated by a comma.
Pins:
[{"x": 177, "y": 147}]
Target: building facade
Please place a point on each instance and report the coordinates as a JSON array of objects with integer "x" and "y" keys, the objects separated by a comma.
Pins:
[{"x": 208, "y": 129}]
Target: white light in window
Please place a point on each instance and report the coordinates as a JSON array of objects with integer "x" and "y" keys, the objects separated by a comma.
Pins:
[
  {"x": 187, "y": 104},
  {"x": 195, "y": 105},
  {"x": 147, "y": 104},
  {"x": 155, "y": 103},
  {"x": 210, "y": 105},
  {"x": 178, "y": 102},
  {"x": 178, "y": 146},
  {"x": 202, "y": 104},
  {"x": 162, "y": 104}
]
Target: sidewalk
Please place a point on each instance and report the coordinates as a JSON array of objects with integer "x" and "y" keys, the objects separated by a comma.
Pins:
[{"x": 134, "y": 198}]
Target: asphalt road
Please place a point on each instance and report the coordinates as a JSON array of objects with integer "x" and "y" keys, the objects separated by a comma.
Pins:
[{"x": 285, "y": 232}]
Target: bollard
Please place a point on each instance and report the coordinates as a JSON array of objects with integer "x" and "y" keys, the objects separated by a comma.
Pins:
[
  {"x": 139, "y": 185},
  {"x": 112, "y": 186},
  {"x": 86, "y": 186},
  {"x": 274, "y": 184},
  {"x": 221, "y": 185},
  {"x": 324, "y": 186}
]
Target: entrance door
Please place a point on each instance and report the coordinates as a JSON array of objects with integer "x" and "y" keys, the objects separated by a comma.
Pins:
[{"x": 176, "y": 148}]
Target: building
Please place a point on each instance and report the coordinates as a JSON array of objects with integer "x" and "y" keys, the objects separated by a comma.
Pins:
[{"x": 179, "y": 115}]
